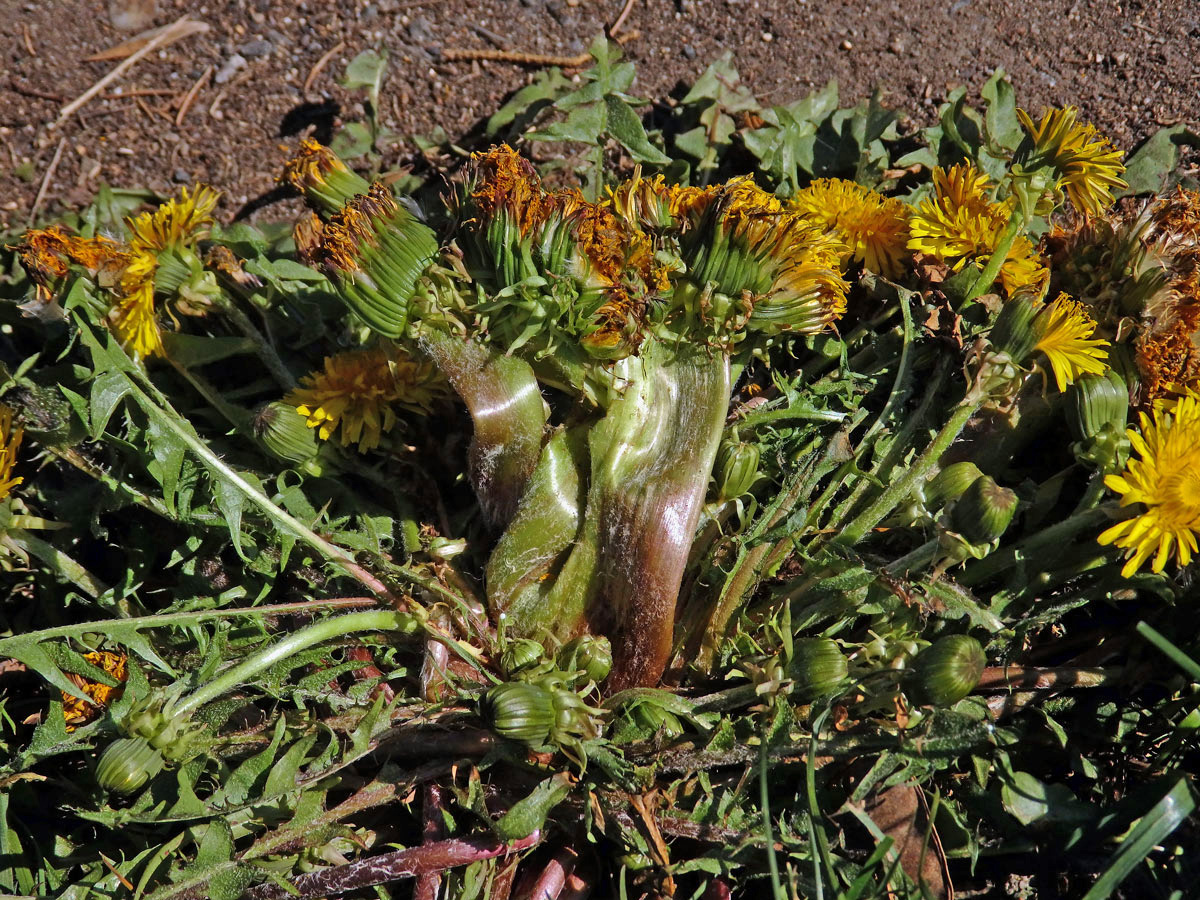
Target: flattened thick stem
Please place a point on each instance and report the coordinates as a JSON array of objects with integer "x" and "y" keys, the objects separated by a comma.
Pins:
[
  {"x": 506, "y": 406},
  {"x": 651, "y": 462}
]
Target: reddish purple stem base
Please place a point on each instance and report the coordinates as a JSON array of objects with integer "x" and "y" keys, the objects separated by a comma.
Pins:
[{"x": 393, "y": 866}]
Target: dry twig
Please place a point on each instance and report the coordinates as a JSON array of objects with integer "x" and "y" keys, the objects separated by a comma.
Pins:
[
  {"x": 321, "y": 63},
  {"x": 159, "y": 40},
  {"x": 186, "y": 104},
  {"x": 41, "y": 194}
]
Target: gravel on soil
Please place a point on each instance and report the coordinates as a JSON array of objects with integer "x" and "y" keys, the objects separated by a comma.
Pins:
[{"x": 1130, "y": 65}]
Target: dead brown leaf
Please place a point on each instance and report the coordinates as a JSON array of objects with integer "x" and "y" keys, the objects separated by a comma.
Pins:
[
  {"x": 138, "y": 41},
  {"x": 900, "y": 814}
]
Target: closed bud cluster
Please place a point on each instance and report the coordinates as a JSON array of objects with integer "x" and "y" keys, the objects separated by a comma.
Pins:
[
  {"x": 377, "y": 252},
  {"x": 324, "y": 180},
  {"x": 1097, "y": 410}
]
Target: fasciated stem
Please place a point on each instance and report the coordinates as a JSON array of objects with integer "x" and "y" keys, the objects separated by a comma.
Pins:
[
  {"x": 504, "y": 400},
  {"x": 652, "y": 456}
]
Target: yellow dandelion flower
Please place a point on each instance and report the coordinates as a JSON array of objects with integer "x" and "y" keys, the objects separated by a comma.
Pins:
[
  {"x": 961, "y": 223},
  {"x": 178, "y": 222},
  {"x": 1166, "y": 480},
  {"x": 10, "y": 443},
  {"x": 132, "y": 317},
  {"x": 1064, "y": 333},
  {"x": 77, "y": 711},
  {"x": 357, "y": 393},
  {"x": 1087, "y": 165},
  {"x": 873, "y": 227}
]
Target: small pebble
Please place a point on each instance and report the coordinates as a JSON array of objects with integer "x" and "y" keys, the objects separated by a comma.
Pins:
[
  {"x": 689, "y": 51},
  {"x": 179, "y": 176},
  {"x": 256, "y": 49},
  {"x": 421, "y": 30},
  {"x": 767, "y": 37},
  {"x": 846, "y": 45},
  {"x": 230, "y": 68}
]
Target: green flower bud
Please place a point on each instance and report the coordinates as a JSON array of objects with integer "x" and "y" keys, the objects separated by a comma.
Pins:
[
  {"x": 1097, "y": 410},
  {"x": 376, "y": 252},
  {"x": 1096, "y": 404},
  {"x": 948, "y": 670},
  {"x": 285, "y": 432},
  {"x": 588, "y": 653},
  {"x": 127, "y": 764},
  {"x": 984, "y": 512},
  {"x": 950, "y": 483},
  {"x": 321, "y": 177},
  {"x": 818, "y": 667},
  {"x": 520, "y": 712},
  {"x": 1013, "y": 332},
  {"x": 520, "y": 654},
  {"x": 737, "y": 469}
]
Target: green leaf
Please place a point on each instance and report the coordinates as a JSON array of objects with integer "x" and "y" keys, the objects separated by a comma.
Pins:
[
  {"x": 286, "y": 772},
  {"x": 1003, "y": 126},
  {"x": 216, "y": 846},
  {"x": 24, "y": 649},
  {"x": 190, "y": 350},
  {"x": 721, "y": 82},
  {"x": 626, "y": 126},
  {"x": 230, "y": 500},
  {"x": 529, "y": 814},
  {"x": 1152, "y": 829},
  {"x": 241, "y": 782},
  {"x": 1150, "y": 167},
  {"x": 366, "y": 71},
  {"x": 1029, "y": 800},
  {"x": 521, "y": 109},
  {"x": 585, "y": 124},
  {"x": 353, "y": 140},
  {"x": 168, "y": 452},
  {"x": 107, "y": 391}
]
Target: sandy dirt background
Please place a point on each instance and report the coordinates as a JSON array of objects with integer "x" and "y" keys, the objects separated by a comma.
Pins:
[{"x": 225, "y": 104}]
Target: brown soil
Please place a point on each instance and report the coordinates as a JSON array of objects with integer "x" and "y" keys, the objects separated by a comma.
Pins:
[{"x": 1130, "y": 65}]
